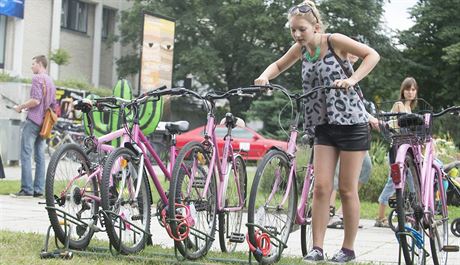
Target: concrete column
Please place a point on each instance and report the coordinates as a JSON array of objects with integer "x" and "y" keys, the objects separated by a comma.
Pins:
[
  {"x": 55, "y": 36},
  {"x": 97, "y": 44},
  {"x": 116, "y": 45},
  {"x": 18, "y": 47}
]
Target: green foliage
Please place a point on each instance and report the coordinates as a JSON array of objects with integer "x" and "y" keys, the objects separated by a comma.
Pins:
[
  {"x": 432, "y": 47},
  {"x": 60, "y": 57},
  {"x": 228, "y": 46},
  {"x": 371, "y": 191}
]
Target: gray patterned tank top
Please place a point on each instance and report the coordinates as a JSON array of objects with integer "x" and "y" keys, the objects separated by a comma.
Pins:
[{"x": 335, "y": 106}]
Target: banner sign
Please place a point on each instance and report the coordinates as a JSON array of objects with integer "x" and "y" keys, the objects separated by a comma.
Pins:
[
  {"x": 12, "y": 8},
  {"x": 157, "y": 52}
]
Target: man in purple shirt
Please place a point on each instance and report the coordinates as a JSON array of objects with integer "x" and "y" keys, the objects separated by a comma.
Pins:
[{"x": 42, "y": 95}]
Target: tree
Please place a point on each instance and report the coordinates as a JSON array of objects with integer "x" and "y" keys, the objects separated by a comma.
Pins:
[
  {"x": 433, "y": 48},
  {"x": 224, "y": 44}
]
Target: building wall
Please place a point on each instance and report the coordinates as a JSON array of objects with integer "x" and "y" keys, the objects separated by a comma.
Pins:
[
  {"x": 80, "y": 47},
  {"x": 37, "y": 24},
  {"x": 105, "y": 76}
]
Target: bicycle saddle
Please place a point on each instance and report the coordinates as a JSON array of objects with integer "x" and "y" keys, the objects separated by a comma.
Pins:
[
  {"x": 84, "y": 105},
  {"x": 232, "y": 121},
  {"x": 177, "y": 127},
  {"x": 410, "y": 119}
]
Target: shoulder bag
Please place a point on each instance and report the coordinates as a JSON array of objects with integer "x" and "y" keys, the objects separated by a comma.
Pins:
[{"x": 50, "y": 117}]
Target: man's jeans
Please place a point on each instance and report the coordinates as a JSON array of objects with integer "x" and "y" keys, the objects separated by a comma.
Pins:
[{"x": 31, "y": 141}]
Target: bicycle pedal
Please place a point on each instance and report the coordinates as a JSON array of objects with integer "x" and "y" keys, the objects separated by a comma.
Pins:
[
  {"x": 237, "y": 237},
  {"x": 450, "y": 248},
  {"x": 199, "y": 183}
]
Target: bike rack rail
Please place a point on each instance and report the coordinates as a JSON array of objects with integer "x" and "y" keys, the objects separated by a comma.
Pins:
[{"x": 64, "y": 252}]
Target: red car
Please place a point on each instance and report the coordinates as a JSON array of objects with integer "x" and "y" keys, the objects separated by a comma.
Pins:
[{"x": 243, "y": 139}]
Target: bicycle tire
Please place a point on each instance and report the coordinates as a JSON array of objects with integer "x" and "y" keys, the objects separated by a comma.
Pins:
[
  {"x": 306, "y": 231},
  {"x": 259, "y": 204},
  {"x": 393, "y": 220},
  {"x": 65, "y": 192},
  {"x": 231, "y": 222},
  {"x": 193, "y": 160},
  {"x": 439, "y": 237},
  {"x": 117, "y": 197},
  {"x": 410, "y": 213}
]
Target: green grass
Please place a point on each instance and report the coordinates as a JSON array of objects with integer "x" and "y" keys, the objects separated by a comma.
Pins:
[{"x": 24, "y": 248}]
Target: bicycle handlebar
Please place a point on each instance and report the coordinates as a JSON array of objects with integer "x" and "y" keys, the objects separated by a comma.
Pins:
[{"x": 438, "y": 114}]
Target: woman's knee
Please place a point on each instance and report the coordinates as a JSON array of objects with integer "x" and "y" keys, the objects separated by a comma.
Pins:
[{"x": 322, "y": 191}]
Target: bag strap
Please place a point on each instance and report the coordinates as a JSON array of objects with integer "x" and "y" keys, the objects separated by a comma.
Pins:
[
  {"x": 345, "y": 70},
  {"x": 44, "y": 94}
]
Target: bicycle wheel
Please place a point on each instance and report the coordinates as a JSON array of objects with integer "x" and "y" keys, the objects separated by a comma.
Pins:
[
  {"x": 268, "y": 206},
  {"x": 439, "y": 225},
  {"x": 187, "y": 192},
  {"x": 410, "y": 215},
  {"x": 230, "y": 221},
  {"x": 70, "y": 189},
  {"x": 306, "y": 236},
  {"x": 127, "y": 218}
]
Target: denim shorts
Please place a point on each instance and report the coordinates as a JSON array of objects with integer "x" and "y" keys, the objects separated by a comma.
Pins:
[{"x": 355, "y": 137}]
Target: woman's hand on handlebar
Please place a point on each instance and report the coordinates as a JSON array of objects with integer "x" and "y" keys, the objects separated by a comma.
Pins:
[
  {"x": 345, "y": 83},
  {"x": 261, "y": 81}
]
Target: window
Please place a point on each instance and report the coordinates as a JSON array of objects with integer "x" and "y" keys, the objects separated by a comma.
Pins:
[
  {"x": 107, "y": 22},
  {"x": 74, "y": 15}
]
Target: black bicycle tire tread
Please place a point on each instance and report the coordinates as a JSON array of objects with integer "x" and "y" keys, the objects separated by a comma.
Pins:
[
  {"x": 49, "y": 195},
  {"x": 251, "y": 207},
  {"x": 222, "y": 216},
  {"x": 173, "y": 190},
  {"x": 110, "y": 229}
]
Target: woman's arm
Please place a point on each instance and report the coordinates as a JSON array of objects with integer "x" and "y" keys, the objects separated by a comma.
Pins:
[
  {"x": 281, "y": 65},
  {"x": 344, "y": 45}
]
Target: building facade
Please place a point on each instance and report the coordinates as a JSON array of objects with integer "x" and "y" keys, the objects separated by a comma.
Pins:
[{"x": 83, "y": 28}]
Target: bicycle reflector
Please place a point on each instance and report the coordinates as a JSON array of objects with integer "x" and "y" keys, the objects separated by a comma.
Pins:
[{"x": 395, "y": 173}]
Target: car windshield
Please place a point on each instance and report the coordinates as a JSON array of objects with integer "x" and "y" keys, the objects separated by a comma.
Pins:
[{"x": 236, "y": 133}]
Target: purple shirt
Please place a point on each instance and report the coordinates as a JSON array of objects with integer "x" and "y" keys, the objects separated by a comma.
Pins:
[{"x": 37, "y": 113}]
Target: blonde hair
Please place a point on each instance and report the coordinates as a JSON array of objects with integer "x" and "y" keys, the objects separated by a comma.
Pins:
[
  {"x": 405, "y": 85},
  {"x": 312, "y": 16}
]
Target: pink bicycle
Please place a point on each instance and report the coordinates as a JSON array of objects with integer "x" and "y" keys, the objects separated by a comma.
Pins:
[
  {"x": 272, "y": 209},
  {"x": 75, "y": 174},
  {"x": 196, "y": 197},
  {"x": 421, "y": 206}
]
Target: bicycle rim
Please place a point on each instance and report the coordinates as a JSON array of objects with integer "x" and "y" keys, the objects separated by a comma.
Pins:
[
  {"x": 231, "y": 222},
  {"x": 439, "y": 226},
  {"x": 410, "y": 214},
  {"x": 128, "y": 216},
  {"x": 188, "y": 189},
  {"x": 69, "y": 189},
  {"x": 266, "y": 205}
]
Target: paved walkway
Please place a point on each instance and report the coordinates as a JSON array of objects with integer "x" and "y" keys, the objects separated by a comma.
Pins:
[{"x": 377, "y": 245}]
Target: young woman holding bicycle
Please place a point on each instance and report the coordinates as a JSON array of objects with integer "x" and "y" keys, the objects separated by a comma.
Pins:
[
  {"x": 342, "y": 129},
  {"x": 407, "y": 96}
]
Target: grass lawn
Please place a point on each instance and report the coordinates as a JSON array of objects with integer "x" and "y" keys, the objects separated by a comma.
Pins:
[{"x": 24, "y": 248}]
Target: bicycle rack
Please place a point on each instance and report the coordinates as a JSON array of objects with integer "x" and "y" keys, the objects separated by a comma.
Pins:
[
  {"x": 264, "y": 230},
  {"x": 60, "y": 252},
  {"x": 121, "y": 227},
  {"x": 64, "y": 252}
]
